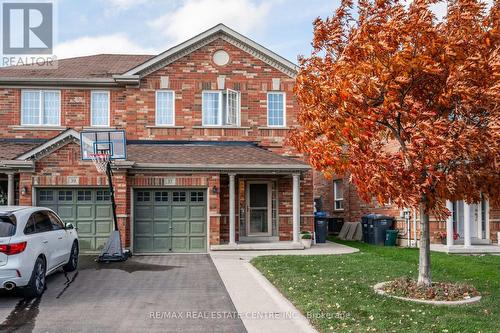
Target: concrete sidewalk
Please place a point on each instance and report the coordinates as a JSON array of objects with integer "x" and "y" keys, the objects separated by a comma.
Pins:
[{"x": 262, "y": 307}]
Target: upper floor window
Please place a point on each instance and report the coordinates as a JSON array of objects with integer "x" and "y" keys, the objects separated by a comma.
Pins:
[
  {"x": 276, "y": 109},
  {"x": 338, "y": 194},
  {"x": 40, "y": 107},
  {"x": 221, "y": 108},
  {"x": 99, "y": 108},
  {"x": 165, "y": 108}
]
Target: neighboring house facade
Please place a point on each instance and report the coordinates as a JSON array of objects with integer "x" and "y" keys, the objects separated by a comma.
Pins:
[
  {"x": 475, "y": 224},
  {"x": 207, "y": 164}
]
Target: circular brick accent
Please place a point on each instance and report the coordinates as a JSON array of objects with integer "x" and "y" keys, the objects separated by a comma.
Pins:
[
  {"x": 220, "y": 58},
  {"x": 379, "y": 290}
]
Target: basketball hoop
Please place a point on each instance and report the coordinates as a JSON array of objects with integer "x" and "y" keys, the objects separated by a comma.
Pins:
[{"x": 101, "y": 161}]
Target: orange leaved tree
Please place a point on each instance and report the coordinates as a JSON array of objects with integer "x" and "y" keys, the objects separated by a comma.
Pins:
[{"x": 407, "y": 105}]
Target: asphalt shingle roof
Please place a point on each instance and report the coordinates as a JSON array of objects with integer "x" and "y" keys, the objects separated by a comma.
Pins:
[
  {"x": 89, "y": 67},
  {"x": 206, "y": 154},
  {"x": 10, "y": 149}
]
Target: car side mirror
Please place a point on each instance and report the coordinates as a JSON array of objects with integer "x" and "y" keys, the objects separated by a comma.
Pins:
[{"x": 69, "y": 226}]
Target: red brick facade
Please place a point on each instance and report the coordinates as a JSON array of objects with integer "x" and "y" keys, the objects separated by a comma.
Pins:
[
  {"x": 355, "y": 208},
  {"x": 132, "y": 108}
]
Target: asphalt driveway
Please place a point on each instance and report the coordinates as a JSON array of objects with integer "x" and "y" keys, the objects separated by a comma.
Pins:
[{"x": 173, "y": 293}]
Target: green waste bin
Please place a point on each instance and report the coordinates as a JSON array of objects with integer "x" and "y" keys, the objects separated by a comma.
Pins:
[{"x": 390, "y": 237}]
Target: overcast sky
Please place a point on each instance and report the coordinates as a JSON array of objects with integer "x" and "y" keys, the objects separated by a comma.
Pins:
[{"x": 152, "y": 26}]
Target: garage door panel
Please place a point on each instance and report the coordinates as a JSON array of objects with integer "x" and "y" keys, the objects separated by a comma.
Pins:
[
  {"x": 85, "y": 212},
  {"x": 161, "y": 213},
  {"x": 179, "y": 228},
  {"x": 103, "y": 212},
  {"x": 197, "y": 212},
  {"x": 161, "y": 244},
  {"x": 197, "y": 227},
  {"x": 197, "y": 244},
  {"x": 178, "y": 220},
  {"x": 103, "y": 227},
  {"x": 180, "y": 244},
  {"x": 143, "y": 212},
  {"x": 86, "y": 244},
  {"x": 143, "y": 244},
  {"x": 65, "y": 211},
  {"x": 144, "y": 228},
  {"x": 162, "y": 228},
  {"x": 179, "y": 213},
  {"x": 100, "y": 242},
  {"x": 85, "y": 227}
]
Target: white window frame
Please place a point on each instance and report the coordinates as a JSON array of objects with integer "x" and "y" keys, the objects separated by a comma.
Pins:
[
  {"x": 92, "y": 111},
  {"x": 284, "y": 107},
  {"x": 220, "y": 118},
  {"x": 40, "y": 107},
  {"x": 156, "y": 107},
  {"x": 335, "y": 199},
  {"x": 238, "y": 106}
]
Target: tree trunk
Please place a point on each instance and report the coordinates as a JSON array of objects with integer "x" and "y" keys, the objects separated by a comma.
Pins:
[{"x": 424, "y": 265}]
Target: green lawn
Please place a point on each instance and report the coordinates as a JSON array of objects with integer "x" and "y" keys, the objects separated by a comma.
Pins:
[{"x": 336, "y": 293}]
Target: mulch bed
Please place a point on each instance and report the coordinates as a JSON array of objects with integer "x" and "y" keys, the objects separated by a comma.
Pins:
[{"x": 440, "y": 291}]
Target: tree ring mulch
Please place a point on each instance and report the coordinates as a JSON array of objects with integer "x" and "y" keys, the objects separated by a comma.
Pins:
[{"x": 440, "y": 293}]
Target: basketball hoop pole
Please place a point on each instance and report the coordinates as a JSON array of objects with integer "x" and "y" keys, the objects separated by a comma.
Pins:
[
  {"x": 113, "y": 250},
  {"x": 109, "y": 174}
]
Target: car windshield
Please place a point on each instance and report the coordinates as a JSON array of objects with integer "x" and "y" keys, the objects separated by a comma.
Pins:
[{"x": 7, "y": 226}]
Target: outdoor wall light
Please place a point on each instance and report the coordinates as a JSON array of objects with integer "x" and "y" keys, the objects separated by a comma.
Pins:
[
  {"x": 24, "y": 190},
  {"x": 215, "y": 190}
]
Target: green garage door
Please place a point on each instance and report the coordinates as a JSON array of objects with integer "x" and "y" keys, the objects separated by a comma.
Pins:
[
  {"x": 170, "y": 221},
  {"x": 87, "y": 209}
]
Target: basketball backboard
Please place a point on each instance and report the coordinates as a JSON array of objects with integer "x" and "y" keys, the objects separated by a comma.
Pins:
[{"x": 109, "y": 142}]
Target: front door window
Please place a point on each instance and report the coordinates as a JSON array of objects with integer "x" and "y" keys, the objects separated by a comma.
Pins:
[{"x": 259, "y": 219}]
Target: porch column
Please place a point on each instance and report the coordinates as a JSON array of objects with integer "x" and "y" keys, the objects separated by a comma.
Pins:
[
  {"x": 467, "y": 222},
  {"x": 449, "y": 224},
  {"x": 296, "y": 207},
  {"x": 232, "y": 210},
  {"x": 10, "y": 189}
]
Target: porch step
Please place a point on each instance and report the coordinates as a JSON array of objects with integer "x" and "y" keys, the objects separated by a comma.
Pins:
[
  {"x": 257, "y": 246},
  {"x": 460, "y": 249}
]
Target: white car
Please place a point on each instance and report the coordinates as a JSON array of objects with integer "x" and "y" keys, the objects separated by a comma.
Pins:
[{"x": 34, "y": 242}]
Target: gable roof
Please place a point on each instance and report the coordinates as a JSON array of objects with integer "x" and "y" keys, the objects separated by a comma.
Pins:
[
  {"x": 50, "y": 145},
  {"x": 208, "y": 36},
  {"x": 116, "y": 69}
]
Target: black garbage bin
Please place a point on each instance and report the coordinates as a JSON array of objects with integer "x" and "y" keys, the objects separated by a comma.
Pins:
[
  {"x": 374, "y": 227},
  {"x": 367, "y": 228},
  {"x": 320, "y": 227},
  {"x": 335, "y": 225}
]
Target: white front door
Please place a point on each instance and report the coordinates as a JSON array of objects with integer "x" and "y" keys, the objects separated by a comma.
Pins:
[{"x": 259, "y": 209}]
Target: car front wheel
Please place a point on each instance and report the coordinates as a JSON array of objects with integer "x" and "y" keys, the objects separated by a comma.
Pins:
[
  {"x": 73, "y": 259},
  {"x": 36, "y": 285}
]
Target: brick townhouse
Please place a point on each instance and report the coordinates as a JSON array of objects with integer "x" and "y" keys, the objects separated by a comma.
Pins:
[
  {"x": 475, "y": 224},
  {"x": 207, "y": 164}
]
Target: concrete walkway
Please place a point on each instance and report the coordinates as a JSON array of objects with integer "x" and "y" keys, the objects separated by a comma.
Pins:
[{"x": 261, "y": 306}]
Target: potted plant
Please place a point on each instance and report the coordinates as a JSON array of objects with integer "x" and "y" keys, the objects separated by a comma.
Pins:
[
  {"x": 441, "y": 235},
  {"x": 306, "y": 239}
]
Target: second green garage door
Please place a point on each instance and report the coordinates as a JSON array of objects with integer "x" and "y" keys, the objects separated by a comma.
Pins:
[{"x": 170, "y": 221}]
